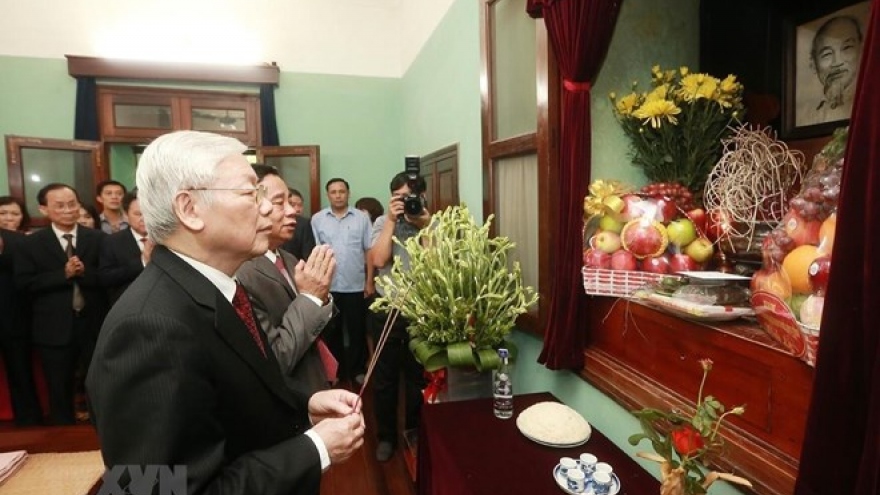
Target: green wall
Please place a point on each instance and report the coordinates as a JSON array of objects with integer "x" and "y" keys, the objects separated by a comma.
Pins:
[
  {"x": 648, "y": 32},
  {"x": 441, "y": 99},
  {"x": 355, "y": 120},
  {"x": 36, "y": 99}
]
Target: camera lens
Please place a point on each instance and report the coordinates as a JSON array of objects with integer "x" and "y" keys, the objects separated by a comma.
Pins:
[{"x": 412, "y": 205}]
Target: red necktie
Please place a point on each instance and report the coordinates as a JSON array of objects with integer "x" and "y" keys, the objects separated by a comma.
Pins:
[
  {"x": 242, "y": 306},
  {"x": 331, "y": 366}
]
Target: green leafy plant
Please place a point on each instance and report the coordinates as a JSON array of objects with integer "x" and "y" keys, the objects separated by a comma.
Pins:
[
  {"x": 683, "y": 445},
  {"x": 675, "y": 130},
  {"x": 459, "y": 292}
]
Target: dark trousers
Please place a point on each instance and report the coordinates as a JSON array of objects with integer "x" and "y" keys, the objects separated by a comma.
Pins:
[
  {"x": 59, "y": 367},
  {"x": 17, "y": 358},
  {"x": 352, "y": 313},
  {"x": 395, "y": 359}
]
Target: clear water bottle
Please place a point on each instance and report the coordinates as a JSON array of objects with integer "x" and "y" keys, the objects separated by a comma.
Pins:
[{"x": 502, "y": 388}]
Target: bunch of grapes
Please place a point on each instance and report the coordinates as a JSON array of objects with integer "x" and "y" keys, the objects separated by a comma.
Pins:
[
  {"x": 675, "y": 191},
  {"x": 818, "y": 196},
  {"x": 777, "y": 245},
  {"x": 815, "y": 202}
]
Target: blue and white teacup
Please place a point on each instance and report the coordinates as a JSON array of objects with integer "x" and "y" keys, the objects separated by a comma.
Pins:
[
  {"x": 587, "y": 463},
  {"x": 576, "y": 480},
  {"x": 601, "y": 483},
  {"x": 566, "y": 464}
]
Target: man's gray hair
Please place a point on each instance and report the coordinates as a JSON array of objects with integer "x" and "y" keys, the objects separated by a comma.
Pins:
[{"x": 175, "y": 162}]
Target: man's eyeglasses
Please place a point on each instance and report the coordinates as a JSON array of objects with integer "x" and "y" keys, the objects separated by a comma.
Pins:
[{"x": 260, "y": 192}]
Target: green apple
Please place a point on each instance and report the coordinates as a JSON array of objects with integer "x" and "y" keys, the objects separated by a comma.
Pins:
[
  {"x": 610, "y": 224},
  {"x": 681, "y": 232},
  {"x": 700, "y": 250},
  {"x": 607, "y": 241}
]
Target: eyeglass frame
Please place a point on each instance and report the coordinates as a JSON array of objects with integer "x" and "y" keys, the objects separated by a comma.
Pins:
[{"x": 260, "y": 191}]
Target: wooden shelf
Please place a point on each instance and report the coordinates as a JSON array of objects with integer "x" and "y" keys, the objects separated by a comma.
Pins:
[{"x": 642, "y": 357}]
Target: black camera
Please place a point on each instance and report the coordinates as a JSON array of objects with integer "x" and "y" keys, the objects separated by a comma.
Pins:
[{"x": 413, "y": 204}]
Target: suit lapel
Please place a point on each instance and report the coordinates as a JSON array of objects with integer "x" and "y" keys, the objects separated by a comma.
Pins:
[
  {"x": 227, "y": 324},
  {"x": 52, "y": 244},
  {"x": 267, "y": 269},
  {"x": 130, "y": 246}
]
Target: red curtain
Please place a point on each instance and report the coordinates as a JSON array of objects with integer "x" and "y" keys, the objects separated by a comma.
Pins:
[
  {"x": 579, "y": 32},
  {"x": 841, "y": 450}
]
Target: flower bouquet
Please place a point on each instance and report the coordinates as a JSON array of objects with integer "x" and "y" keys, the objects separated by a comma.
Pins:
[
  {"x": 460, "y": 293},
  {"x": 675, "y": 130},
  {"x": 684, "y": 445}
]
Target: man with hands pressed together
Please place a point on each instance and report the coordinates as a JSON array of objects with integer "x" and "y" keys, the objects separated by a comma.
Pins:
[
  {"x": 57, "y": 268},
  {"x": 182, "y": 374},
  {"x": 291, "y": 297},
  {"x": 396, "y": 356}
]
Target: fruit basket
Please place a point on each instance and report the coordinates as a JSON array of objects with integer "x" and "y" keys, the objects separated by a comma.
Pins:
[{"x": 616, "y": 283}]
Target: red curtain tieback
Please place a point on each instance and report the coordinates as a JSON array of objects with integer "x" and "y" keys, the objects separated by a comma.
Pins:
[{"x": 577, "y": 87}]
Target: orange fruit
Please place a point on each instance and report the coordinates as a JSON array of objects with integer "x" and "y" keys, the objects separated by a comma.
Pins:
[
  {"x": 826, "y": 234},
  {"x": 797, "y": 266}
]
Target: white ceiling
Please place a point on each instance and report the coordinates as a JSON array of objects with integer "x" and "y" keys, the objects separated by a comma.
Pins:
[{"x": 353, "y": 37}]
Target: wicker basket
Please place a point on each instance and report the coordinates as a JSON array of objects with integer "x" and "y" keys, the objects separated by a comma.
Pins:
[{"x": 616, "y": 283}]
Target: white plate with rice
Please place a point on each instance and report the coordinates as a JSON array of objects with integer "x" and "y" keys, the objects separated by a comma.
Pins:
[{"x": 554, "y": 425}]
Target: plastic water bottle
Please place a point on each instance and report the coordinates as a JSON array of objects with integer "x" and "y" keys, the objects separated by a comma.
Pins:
[{"x": 502, "y": 388}]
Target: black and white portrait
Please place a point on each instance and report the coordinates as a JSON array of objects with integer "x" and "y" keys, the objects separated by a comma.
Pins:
[{"x": 827, "y": 55}]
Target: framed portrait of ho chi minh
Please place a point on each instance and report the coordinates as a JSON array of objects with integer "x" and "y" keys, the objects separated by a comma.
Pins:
[{"x": 821, "y": 57}]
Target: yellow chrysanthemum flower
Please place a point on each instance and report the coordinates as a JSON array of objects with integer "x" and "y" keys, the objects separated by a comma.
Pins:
[
  {"x": 680, "y": 113},
  {"x": 627, "y": 104},
  {"x": 658, "y": 93},
  {"x": 729, "y": 84},
  {"x": 697, "y": 86},
  {"x": 657, "y": 110}
]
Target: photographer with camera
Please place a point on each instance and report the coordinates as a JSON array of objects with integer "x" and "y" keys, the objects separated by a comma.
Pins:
[{"x": 406, "y": 216}]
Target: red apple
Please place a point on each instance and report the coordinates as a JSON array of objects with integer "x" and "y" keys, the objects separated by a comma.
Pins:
[
  {"x": 666, "y": 209},
  {"x": 819, "y": 272},
  {"x": 594, "y": 258},
  {"x": 606, "y": 241},
  {"x": 701, "y": 250},
  {"x": 623, "y": 260},
  {"x": 633, "y": 207},
  {"x": 656, "y": 264},
  {"x": 800, "y": 230},
  {"x": 644, "y": 237},
  {"x": 699, "y": 218},
  {"x": 682, "y": 263}
]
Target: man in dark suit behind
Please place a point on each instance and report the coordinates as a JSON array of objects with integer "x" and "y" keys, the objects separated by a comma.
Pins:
[
  {"x": 291, "y": 303},
  {"x": 181, "y": 374},
  {"x": 125, "y": 253},
  {"x": 58, "y": 268},
  {"x": 303, "y": 241}
]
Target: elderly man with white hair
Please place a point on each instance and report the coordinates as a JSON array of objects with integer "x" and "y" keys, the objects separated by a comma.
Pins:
[{"x": 182, "y": 374}]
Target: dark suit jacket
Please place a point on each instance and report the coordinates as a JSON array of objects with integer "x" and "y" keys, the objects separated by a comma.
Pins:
[
  {"x": 120, "y": 263},
  {"x": 12, "y": 313},
  {"x": 291, "y": 323},
  {"x": 303, "y": 241},
  {"x": 39, "y": 270},
  {"x": 177, "y": 379}
]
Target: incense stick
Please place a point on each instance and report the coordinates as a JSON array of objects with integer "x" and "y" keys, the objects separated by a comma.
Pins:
[{"x": 383, "y": 337}]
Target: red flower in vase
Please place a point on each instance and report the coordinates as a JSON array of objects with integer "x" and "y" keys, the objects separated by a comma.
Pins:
[{"x": 686, "y": 440}]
